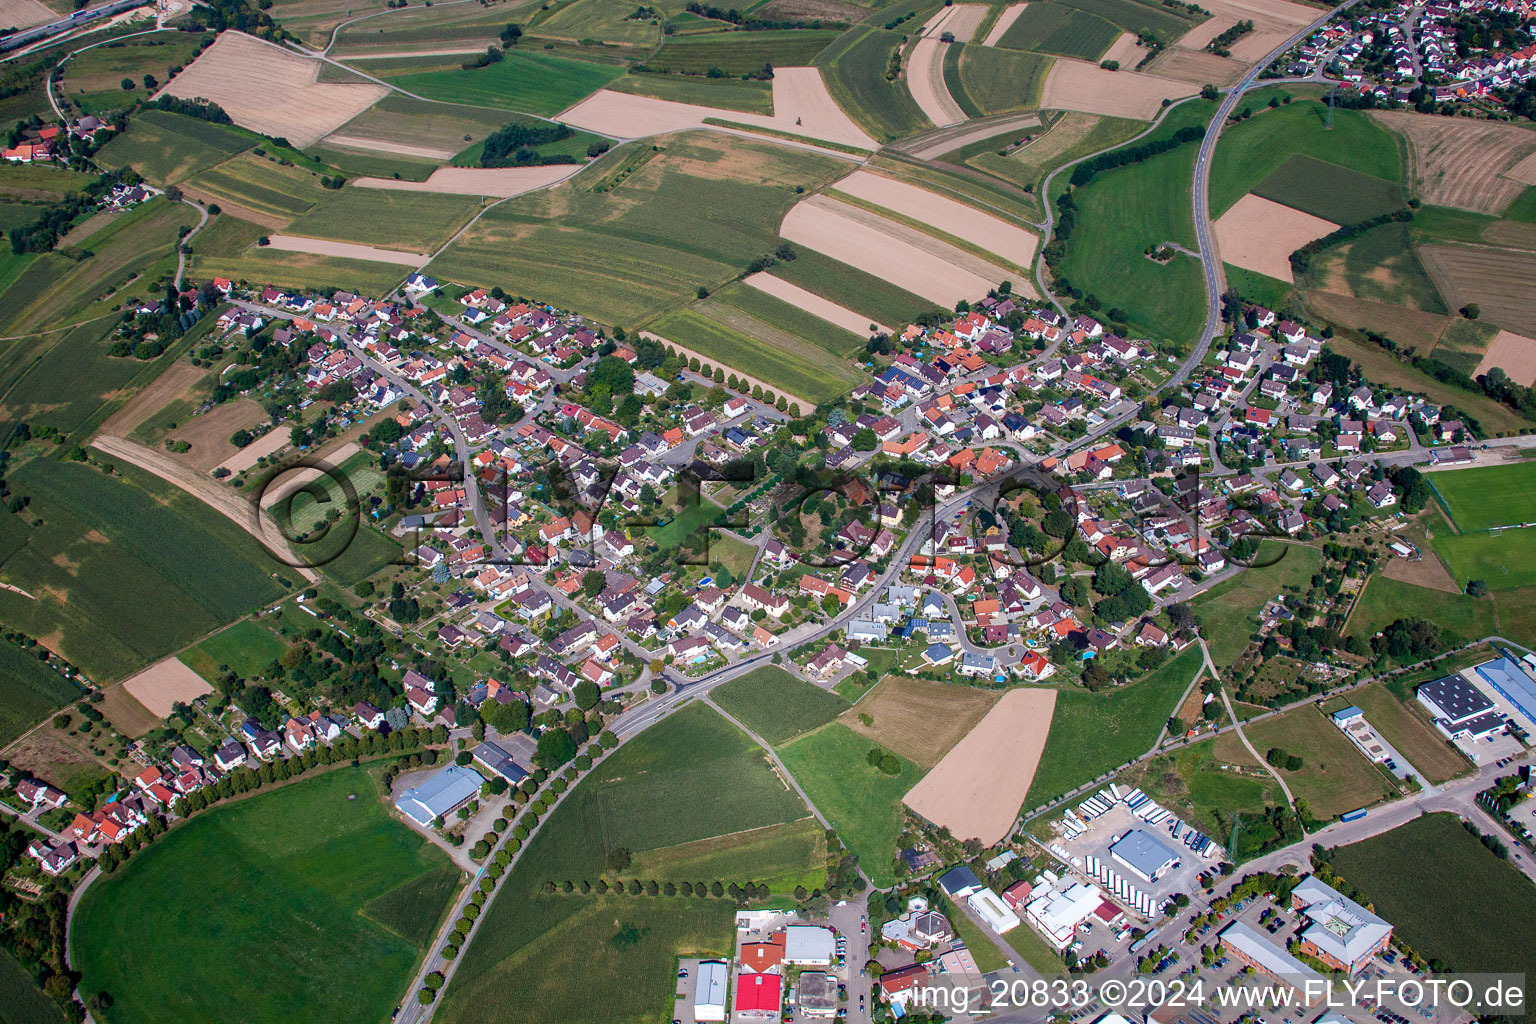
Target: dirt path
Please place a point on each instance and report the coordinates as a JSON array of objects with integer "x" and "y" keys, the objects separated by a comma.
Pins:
[{"x": 220, "y": 499}]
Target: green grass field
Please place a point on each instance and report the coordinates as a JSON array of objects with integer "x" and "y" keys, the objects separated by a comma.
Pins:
[
  {"x": 862, "y": 803},
  {"x": 854, "y": 69},
  {"x": 1381, "y": 265},
  {"x": 1228, "y": 612},
  {"x": 247, "y": 647},
  {"x": 368, "y": 552},
  {"x": 776, "y": 705},
  {"x": 746, "y": 95},
  {"x": 832, "y": 340},
  {"x": 414, "y": 221},
  {"x": 1330, "y": 191},
  {"x": 1261, "y": 288},
  {"x": 1069, "y": 136},
  {"x": 122, "y": 566},
  {"x": 854, "y": 289},
  {"x": 690, "y": 778},
  {"x": 29, "y": 690},
  {"x": 1139, "y": 16},
  {"x": 738, "y": 53},
  {"x": 261, "y": 184},
  {"x": 301, "y": 270},
  {"x": 1487, "y": 496},
  {"x": 266, "y": 888},
  {"x": 1060, "y": 29},
  {"x": 694, "y": 214},
  {"x": 1335, "y": 777},
  {"x": 801, "y": 370},
  {"x": 22, "y": 999},
  {"x": 1253, "y": 150},
  {"x": 781, "y": 857},
  {"x": 997, "y": 80},
  {"x": 1409, "y": 731},
  {"x": 40, "y": 183},
  {"x": 1193, "y": 784},
  {"x": 1488, "y": 923},
  {"x": 1092, "y": 733},
  {"x": 1505, "y": 561},
  {"x": 530, "y": 81},
  {"x": 414, "y": 908},
  {"x": 168, "y": 148}
]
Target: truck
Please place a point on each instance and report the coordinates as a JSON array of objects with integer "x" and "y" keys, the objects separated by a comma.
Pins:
[{"x": 1354, "y": 815}]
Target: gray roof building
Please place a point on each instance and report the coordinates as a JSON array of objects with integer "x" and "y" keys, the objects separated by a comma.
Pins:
[
  {"x": 440, "y": 795},
  {"x": 1144, "y": 854}
]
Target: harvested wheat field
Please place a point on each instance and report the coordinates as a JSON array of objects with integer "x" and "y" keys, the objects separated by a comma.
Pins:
[
  {"x": 209, "y": 433},
  {"x": 925, "y": 81},
  {"x": 917, "y": 719},
  {"x": 1461, "y": 162},
  {"x": 994, "y": 234},
  {"x": 177, "y": 382},
  {"x": 1515, "y": 354},
  {"x": 23, "y": 14},
  {"x": 977, "y": 789},
  {"x": 1197, "y": 67},
  {"x": 271, "y": 90},
  {"x": 1260, "y": 235},
  {"x": 814, "y": 304},
  {"x": 798, "y": 94},
  {"x": 1501, "y": 281},
  {"x": 1274, "y": 21},
  {"x": 906, "y": 258},
  {"x": 1004, "y": 23},
  {"x": 348, "y": 250},
  {"x": 504, "y": 182},
  {"x": 1125, "y": 51},
  {"x": 166, "y": 683},
  {"x": 1417, "y": 327},
  {"x": 963, "y": 21},
  {"x": 380, "y": 146},
  {"x": 1079, "y": 85},
  {"x": 123, "y": 710},
  {"x": 1524, "y": 172}
]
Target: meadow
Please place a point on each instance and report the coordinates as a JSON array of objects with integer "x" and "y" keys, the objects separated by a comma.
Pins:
[
  {"x": 1380, "y": 265},
  {"x": 369, "y": 551},
  {"x": 691, "y": 777},
  {"x": 1093, "y": 733},
  {"x": 854, "y": 68},
  {"x": 996, "y": 81},
  {"x": 1229, "y": 611},
  {"x": 1202, "y": 789},
  {"x": 1270, "y": 292},
  {"x": 1504, "y": 560},
  {"x": 696, "y": 213},
  {"x": 413, "y": 221},
  {"x": 1138, "y": 16},
  {"x": 1509, "y": 613},
  {"x": 1487, "y": 496},
  {"x": 1401, "y": 725},
  {"x": 102, "y": 68},
  {"x": 1068, "y": 137},
  {"x": 247, "y": 648},
  {"x": 782, "y": 857},
  {"x": 746, "y": 95},
  {"x": 425, "y": 28},
  {"x": 1060, "y": 29},
  {"x": 249, "y": 935},
  {"x": 607, "y": 20},
  {"x": 300, "y": 270},
  {"x": 29, "y": 690},
  {"x": 527, "y": 80},
  {"x": 260, "y": 184},
  {"x": 862, "y": 803},
  {"x": 1487, "y": 924},
  {"x": 760, "y": 350},
  {"x": 1329, "y": 190},
  {"x": 853, "y": 288},
  {"x": 1334, "y": 777},
  {"x": 777, "y": 705},
  {"x": 167, "y": 148},
  {"x": 120, "y": 566},
  {"x": 740, "y": 53},
  {"x": 1253, "y": 150}
]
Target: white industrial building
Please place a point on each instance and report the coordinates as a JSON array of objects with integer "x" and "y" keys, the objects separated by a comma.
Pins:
[
  {"x": 709, "y": 991},
  {"x": 993, "y": 910},
  {"x": 1055, "y": 909},
  {"x": 809, "y": 945}
]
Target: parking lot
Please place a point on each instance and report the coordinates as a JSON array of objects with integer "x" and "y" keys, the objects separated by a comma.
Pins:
[{"x": 1110, "y": 826}]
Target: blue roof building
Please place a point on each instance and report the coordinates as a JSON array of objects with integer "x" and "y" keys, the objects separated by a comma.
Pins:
[
  {"x": 440, "y": 795},
  {"x": 1509, "y": 679}
]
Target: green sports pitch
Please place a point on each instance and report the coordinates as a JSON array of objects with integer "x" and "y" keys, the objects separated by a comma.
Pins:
[{"x": 1488, "y": 497}]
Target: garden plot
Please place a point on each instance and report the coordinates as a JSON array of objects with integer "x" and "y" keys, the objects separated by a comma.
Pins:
[
  {"x": 1004, "y": 23},
  {"x": 801, "y": 106},
  {"x": 1000, "y": 237},
  {"x": 504, "y": 182},
  {"x": 1512, "y": 353},
  {"x": 164, "y": 684},
  {"x": 977, "y": 789},
  {"x": 1079, "y": 85},
  {"x": 1472, "y": 165},
  {"x": 1274, "y": 21},
  {"x": 906, "y": 258},
  {"x": 1260, "y": 235},
  {"x": 814, "y": 304},
  {"x": 270, "y": 90}
]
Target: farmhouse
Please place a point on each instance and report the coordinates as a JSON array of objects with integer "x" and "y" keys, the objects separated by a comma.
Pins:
[
  {"x": 440, "y": 795},
  {"x": 1341, "y": 933}
]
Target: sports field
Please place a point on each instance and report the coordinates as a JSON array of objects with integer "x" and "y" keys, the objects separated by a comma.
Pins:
[
  {"x": 527, "y": 80},
  {"x": 1334, "y": 777},
  {"x": 777, "y": 705},
  {"x": 1486, "y": 923},
  {"x": 1092, "y": 733},
  {"x": 287, "y": 885},
  {"x": 1487, "y": 496},
  {"x": 1504, "y": 560},
  {"x": 862, "y": 803},
  {"x": 689, "y": 779},
  {"x": 118, "y": 566}
]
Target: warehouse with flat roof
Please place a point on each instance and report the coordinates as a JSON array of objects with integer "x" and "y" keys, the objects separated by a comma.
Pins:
[
  {"x": 1144, "y": 855},
  {"x": 1508, "y": 678},
  {"x": 440, "y": 795},
  {"x": 1459, "y": 709},
  {"x": 709, "y": 991}
]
